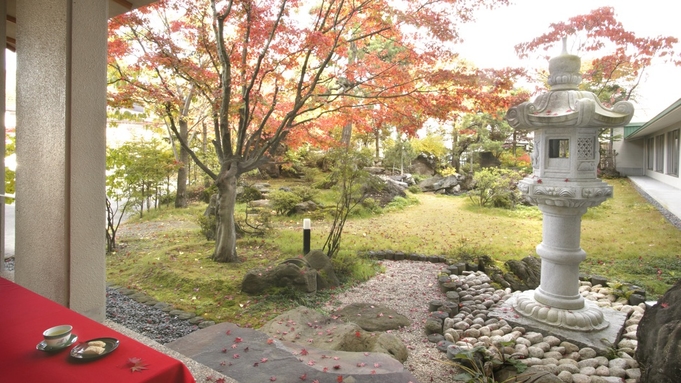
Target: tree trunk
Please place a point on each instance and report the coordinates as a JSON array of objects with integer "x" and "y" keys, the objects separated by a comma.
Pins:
[
  {"x": 225, "y": 238},
  {"x": 346, "y": 134},
  {"x": 456, "y": 155},
  {"x": 181, "y": 196},
  {"x": 377, "y": 136}
]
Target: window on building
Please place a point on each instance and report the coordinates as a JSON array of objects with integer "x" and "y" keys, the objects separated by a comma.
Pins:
[
  {"x": 659, "y": 153},
  {"x": 650, "y": 148},
  {"x": 559, "y": 148},
  {"x": 673, "y": 153}
]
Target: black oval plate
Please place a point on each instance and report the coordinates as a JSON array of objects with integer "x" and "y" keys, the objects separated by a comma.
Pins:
[{"x": 110, "y": 345}]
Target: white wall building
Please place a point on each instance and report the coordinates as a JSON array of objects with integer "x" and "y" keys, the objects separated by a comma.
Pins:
[{"x": 652, "y": 149}]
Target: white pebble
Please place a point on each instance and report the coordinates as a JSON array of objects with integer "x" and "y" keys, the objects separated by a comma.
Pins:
[
  {"x": 580, "y": 378},
  {"x": 633, "y": 373},
  {"x": 587, "y": 371},
  {"x": 602, "y": 371},
  {"x": 552, "y": 340},
  {"x": 565, "y": 377},
  {"x": 618, "y": 362}
]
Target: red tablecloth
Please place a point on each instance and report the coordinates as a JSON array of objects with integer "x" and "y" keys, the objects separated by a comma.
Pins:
[{"x": 23, "y": 317}]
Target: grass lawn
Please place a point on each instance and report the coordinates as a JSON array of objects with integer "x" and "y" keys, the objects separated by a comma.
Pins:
[{"x": 165, "y": 255}]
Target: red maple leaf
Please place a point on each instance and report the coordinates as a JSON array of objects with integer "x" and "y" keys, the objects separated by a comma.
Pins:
[
  {"x": 238, "y": 340},
  {"x": 221, "y": 380},
  {"x": 136, "y": 365},
  {"x": 303, "y": 377},
  {"x": 303, "y": 352},
  {"x": 339, "y": 379},
  {"x": 664, "y": 305}
]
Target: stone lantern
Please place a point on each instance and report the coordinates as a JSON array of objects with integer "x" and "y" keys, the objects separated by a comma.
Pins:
[{"x": 566, "y": 123}]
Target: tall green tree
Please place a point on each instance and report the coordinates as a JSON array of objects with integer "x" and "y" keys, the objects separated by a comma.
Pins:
[
  {"x": 479, "y": 132},
  {"x": 139, "y": 172}
]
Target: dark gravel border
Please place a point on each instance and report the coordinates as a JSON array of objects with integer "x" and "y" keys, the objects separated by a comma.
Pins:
[{"x": 149, "y": 321}]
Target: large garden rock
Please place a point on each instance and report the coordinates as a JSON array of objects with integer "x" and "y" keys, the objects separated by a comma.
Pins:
[
  {"x": 659, "y": 339},
  {"x": 293, "y": 273},
  {"x": 326, "y": 277},
  {"x": 531, "y": 375},
  {"x": 524, "y": 274},
  {"x": 449, "y": 185},
  {"x": 424, "y": 164},
  {"x": 383, "y": 191},
  {"x": 371, "y": 317},
  {"x": 303, "y": 207},
  {"x": 311, "y": 328},
  {"x": 427, "y": 185}
]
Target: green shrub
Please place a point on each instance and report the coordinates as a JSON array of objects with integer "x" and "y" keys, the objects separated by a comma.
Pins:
[
  {"x": 207, "y": 224},
  {"x": 418, "y": 178},
  {"x": 310, "y": 174},
  {"x": 305, "y": 193},
  {"x": 415, "y": 189},
  {"x": 495, "y": 187},
  {"x": 399, "y": 203},
  {"x": 284, "y": 202},
  {"x": 349, "y": 266},
  {"x": 206, "y": 193},
  {"x": 248, "y": 194},
  {"x": 370, "y": 204}
]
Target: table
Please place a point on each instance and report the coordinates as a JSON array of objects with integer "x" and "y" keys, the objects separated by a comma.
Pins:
[{"x": 24, "y": 315}]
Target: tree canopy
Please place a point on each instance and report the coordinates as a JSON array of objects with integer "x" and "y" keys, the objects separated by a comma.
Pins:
[
  {"x": 287, "y": 71},
  {"x": 618, "y": 57}
]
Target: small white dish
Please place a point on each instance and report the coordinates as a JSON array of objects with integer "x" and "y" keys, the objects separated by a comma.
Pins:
[
  {"x": 57, "y": 335},
  {"x": 43, "y": 346}
]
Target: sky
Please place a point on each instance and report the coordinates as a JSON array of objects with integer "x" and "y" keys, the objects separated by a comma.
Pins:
[{"x": 489, "y": 41}]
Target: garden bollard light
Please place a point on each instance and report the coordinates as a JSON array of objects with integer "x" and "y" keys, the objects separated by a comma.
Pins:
[{"x": 306, "y": 236}]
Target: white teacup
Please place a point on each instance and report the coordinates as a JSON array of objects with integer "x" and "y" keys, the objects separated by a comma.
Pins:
[{"x": 58, "y": 335}]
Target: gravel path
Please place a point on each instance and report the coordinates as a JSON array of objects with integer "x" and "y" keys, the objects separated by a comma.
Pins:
[{"x": 407, "y": 287}]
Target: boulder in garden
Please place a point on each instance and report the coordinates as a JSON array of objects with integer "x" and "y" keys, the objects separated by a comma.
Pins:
[{"x": 372, "y": 317}]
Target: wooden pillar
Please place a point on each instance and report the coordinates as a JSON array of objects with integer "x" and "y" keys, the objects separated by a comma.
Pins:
[{"x": 61, "y": 152}]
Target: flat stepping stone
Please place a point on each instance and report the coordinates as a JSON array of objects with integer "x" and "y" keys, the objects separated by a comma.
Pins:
[
  {"x": 140, "y": 297},
  {"x": 248, "y": 355},
  {"x": 372, "y": 317},
  {"x": 195, "y": 320}
]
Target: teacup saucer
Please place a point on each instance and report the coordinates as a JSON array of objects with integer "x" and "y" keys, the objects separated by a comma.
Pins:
[{"x": 42, "y": 346}]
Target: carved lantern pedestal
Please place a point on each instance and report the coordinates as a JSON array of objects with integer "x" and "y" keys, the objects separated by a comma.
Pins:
[{"x": 566, "y": 123}]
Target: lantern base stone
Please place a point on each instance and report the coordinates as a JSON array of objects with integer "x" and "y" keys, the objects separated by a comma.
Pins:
[
  {"x": 588, "y": 318},
  {"x": 600, "y": 340}
]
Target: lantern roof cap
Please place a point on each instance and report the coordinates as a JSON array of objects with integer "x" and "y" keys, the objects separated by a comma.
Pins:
[{"x": 564, "y": 105}]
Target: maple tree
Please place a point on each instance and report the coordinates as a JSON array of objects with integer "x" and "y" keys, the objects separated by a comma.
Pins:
[
  {"x": 621, "y": 57},
  {"x": 285, "y": 71},
  {"x": 164, "y": 75}
]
